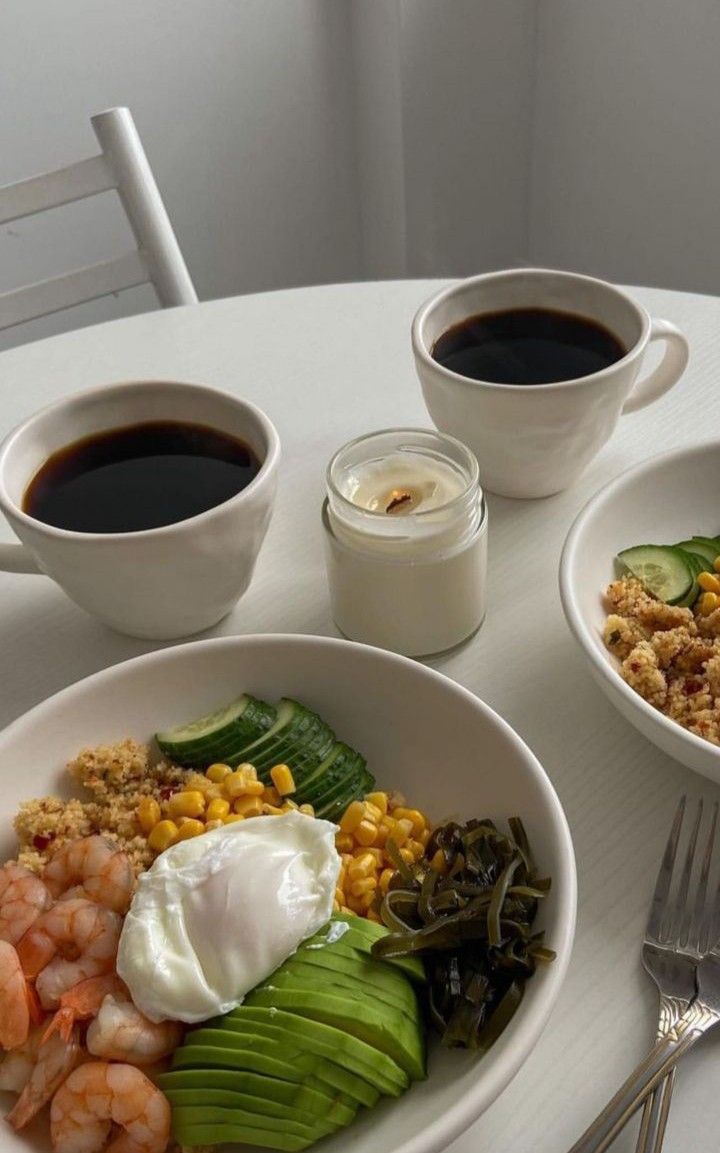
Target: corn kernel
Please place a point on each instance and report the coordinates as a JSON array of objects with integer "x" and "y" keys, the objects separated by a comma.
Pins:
[
  {"x": 213, "y": 793},
  {"x": 248, "y": 806},
  {"x": 249, "y": 770},
  {"x": 416, "y": 849},
  {"x": 217, "y": 809},
  {"x": 385, "y": 879},
  {"x": 288, "y": 806},
  {"x": 189, "y": 828},
  {"x": 307, "y": 810},
  {"x": 232, "y": 818},
  {"x": 707, "y": 603},
  {"x": 366, "y": 885},
  {"x": 373, "y": 916},
  {"x": 235, "y": 784},
  {"x": 439, "y": 862},
  {"x": 372, "y": 812},
  {"x": 709, "y": 582},
  {"x": 271, "y": 810},
  {"x": 716, "y": 564},
  {"x": 352, "y": 817},
  {"x": 214, "y": 824},
  {"x": 336, "y": 906},
  {"x": 148, "y": 814},
  {"x": 282, "y": 779},
  {"x": 402, "y": 831},
  {"x": 366, "y": 901},
  {"x": 361, "y": 866},
  {"x": 163, "y": 836},
  {"x": 218, "y": 772},
  {"x": 365, "y": 833},
  {"x": 346, "y": 909},
  {"x": 407, "y": 856},
  {"x": 344, "y": 843},
  {"x": 270, "y": 795},
  {"x": 188, "y": 803},
  {"x": 413, "y": 815},
  {"x": 379, "y": 800},
  {"x": 425, "y": 836}
]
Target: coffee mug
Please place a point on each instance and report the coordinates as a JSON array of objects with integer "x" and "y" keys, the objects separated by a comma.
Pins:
[
  {"x": 159, "y": 583},
  {"x": 535, "y": 440}
]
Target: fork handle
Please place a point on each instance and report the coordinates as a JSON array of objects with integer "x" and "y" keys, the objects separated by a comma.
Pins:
[
  {"x": 696, "y": 1021},
  {"x": 654, "y": 1118}
]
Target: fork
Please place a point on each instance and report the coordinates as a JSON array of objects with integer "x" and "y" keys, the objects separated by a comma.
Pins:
[
  {"x": 675, "y": 982},
  {"x": 680, "y": 938}
]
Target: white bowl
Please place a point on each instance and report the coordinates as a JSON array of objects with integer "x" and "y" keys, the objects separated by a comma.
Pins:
[
  {"x": 663, "y": 500},
  {"x": 421, "y": 733}
]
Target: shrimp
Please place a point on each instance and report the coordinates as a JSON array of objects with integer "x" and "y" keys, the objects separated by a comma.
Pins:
[
  {"x": 97, "y": 1094},
  {"x": 56, "y": 1059},
  {"x": 84, "y": 1001},
  {"x": 70, "y": 942},
  {"x": 23, "y": 897},
  {"x": 16, "y": 1066},
  {"x": 18, "y": 1005},
  {"x": 99, "y": 866},
  {"x": 120, "y": 1032}
]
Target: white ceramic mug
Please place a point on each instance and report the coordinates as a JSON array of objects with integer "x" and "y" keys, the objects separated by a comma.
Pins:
[
  {"x": 534, "y": 440},
  {"x": 159, "y": 583}
]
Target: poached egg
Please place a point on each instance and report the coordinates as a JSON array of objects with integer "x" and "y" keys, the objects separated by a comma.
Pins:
[{"x": 215, "y": 915}]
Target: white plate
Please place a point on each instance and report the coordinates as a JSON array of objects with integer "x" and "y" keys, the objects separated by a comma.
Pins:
[
  {"x": 421, "y": 733},
  {"x": 661, "y": 501}
]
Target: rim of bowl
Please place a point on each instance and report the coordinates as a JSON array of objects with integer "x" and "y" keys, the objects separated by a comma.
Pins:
[
  {"x": 423, "y": 352},
  {"x": 602, "y": 661},
  {"x": 497, "y": 1077},
  {"x": 272, "y": 456}
]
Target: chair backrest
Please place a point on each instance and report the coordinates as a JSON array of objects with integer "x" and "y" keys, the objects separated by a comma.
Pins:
[{"x": 123, "y": 166}]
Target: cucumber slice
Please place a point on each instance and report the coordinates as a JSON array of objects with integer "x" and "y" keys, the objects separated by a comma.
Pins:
[
  {"x": 336, "y": 767},
  {"x": 698, "y": 564},
  {"x": 332, "y": 808},
  {"x": 205, "y": 740},
  {"x": 703, "y": 547},
  {"x": 664, "y": 570}
]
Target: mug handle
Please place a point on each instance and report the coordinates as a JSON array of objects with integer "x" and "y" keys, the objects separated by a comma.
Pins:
[
  {"x": 667, "y": 373},
  {"x": 16, "y": 558}
]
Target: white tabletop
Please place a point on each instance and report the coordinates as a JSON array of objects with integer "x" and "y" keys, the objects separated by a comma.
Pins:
[{"x": 328, "y": 364}]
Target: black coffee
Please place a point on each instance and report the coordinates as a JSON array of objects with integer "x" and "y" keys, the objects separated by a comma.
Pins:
[
  {"x": 527, "y": 346},
  {"x": 139, "y": 477}
]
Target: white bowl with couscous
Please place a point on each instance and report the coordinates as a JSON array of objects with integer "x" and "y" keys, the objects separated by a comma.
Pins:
[
  {"x": 669, "y": 498},
  {"x": 422, "y": 734}
]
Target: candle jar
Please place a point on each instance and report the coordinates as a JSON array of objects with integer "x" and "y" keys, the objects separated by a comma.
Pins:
[{"x": 405, "y": 525}]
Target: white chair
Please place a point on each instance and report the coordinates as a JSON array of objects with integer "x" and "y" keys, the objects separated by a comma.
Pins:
[{"x": 122, "y": 165}]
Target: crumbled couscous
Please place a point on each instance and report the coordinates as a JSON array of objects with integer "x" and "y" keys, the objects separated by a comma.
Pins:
[{"x": 669, "y": 655}]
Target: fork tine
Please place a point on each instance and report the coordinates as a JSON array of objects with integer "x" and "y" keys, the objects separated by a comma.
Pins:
[
  {"x": 699, "y": 936},
  {"x": 679, "y": 912},
  {"x": 664, "y": 878}
]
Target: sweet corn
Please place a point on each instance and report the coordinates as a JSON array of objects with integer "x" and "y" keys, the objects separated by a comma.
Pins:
[
  {"x": 366, "y": 885},
  {"x": 249, "y": 770},
  {"x": 270, "y": 795},
  {"x": 384, "y": 881},
  {"x": 163, "y": 836},
  {"x": 148, "y": 814},
  {"x": 236, "y": 784},
  {"x": 414, "y": 816},
  {"x": 366, "y": 832},
  {"x": 217, "y": 809},
  {"x": 189, "y": 828},
  {"x": 707, "y": 603},
  {"x": 716, "y": 564},
  {"x": 709, "y": 582},
  {"x": 248, "y": 806},
  {"x": 307, "y": 810},
  {"x": 351, "y": 818},
  {"x": 402, "y": 831},
  {"x": 282, "y": 779},
  {"x": 379, "y": 800},
  {"x": 232, "y": 818},
  {"x": 439, "y": 862},
  {"x": 344, "y": 843},
  {"x": 189, "y": 803},
  {"x": 271, "y": 810},
  {"x": 217, "y": 773},
  {"x": 214, "y": 824}
]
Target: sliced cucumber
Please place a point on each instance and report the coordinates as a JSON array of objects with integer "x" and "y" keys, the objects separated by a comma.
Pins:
[
  {"x": 698, "y": 565},
  {"x": 353, "y": 789},
  {"x": 337, "y": 765},
  {"x": 664, "y": 570},
  {"x": 207, "y": 739},
  {"x": 703, "y": 547}
]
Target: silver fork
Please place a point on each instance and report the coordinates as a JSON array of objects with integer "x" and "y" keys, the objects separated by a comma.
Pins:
[
  {"x": 667, "y": 922},
  {"x": 699, "y": 941}
]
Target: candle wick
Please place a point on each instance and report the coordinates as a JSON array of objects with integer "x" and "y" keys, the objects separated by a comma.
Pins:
[{"x": 398, "y": 500}]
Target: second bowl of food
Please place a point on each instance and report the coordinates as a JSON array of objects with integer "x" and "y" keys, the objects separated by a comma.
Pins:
[
  {"x": 640, "y": 588},
  {"x": 304, "y": 948}
]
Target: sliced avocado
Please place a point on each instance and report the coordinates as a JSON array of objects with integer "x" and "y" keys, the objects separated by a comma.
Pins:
[
  {"x": 345, "y": 956},
  {"x": 220, "y": 1133},
  {"x": 270, "y": 1097},
  {"x": 186, "y": 1117},
  {"x": 384, "y": 1029},
  {"x": 275, "y": 1056},
  {"x": 352, "y": 981},
  {"x": 362, "y": 934},
  {"x": 326, "y": 1040}
]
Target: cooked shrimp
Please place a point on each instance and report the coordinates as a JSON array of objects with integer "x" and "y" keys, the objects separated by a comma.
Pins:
[
  {"x": 23, "y": 897},
  {"x": 55, "y": 1060},
  {"x": 97, "y": 1094},
  {"x": 99, "y": 866},
  {"x": 67, "y": 944},
  {"x": 84, "y": 1001},
  {"x": 120, "y": 1032},
  {"x": 18, "y": 1006},
  {"x": 16, "y": 1066}
]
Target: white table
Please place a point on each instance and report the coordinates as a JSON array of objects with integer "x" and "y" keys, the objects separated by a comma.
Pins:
[{"x": 328, "y": 364}]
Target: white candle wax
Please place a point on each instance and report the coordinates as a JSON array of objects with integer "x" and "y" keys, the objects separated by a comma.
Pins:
[{"x": 406, "y": 540}]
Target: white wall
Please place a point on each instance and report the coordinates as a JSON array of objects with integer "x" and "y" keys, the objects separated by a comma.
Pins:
[
  {"x": 626, "y": 153},
  {"x": 243, "y": 107}
]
